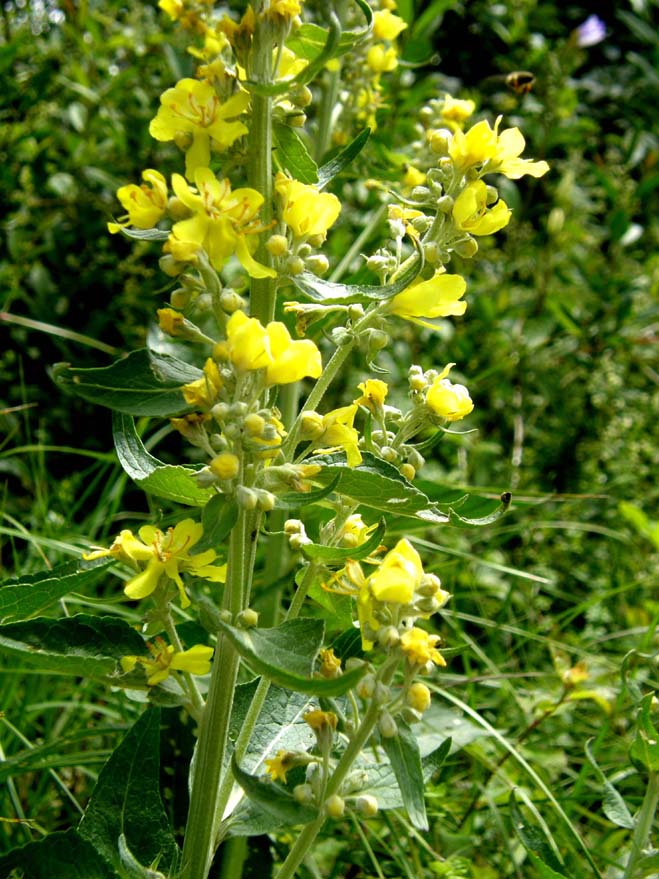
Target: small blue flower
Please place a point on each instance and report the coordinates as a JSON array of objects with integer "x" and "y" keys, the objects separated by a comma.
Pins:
[{"x": 591, "y": 32}]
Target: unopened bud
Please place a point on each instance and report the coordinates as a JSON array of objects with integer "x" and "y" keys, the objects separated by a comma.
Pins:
[
  {"x": 418, "y": 697},
  {"x": 318, "y": 263},
  {"x": 303, "y": 794},
  {"x": 388, "y": 637},
  {"x": 466, "y": 248},
  {"x": 247, "y": 618},
  {"x": 254, "y": 424},
  {"x": 407, "y": 471},
  {"x": 387, "y": 725},
  {"x": 277, "y": 245},
  {"x": 170, "y": 266},
  {"x": 225, "y": 466},
  {"x": 432, "y": 252},
  {"x": 366, "y": 687},
  {"x": 420, "y": 193},
  {"x": 247, "y": 498},
  {"x": 266, "y": 500},
  {"x": 301, "y": 96},
  {"x": 335, "y": 806},
  {"x": 445, "y": 204},
  {"x": 293, "y": 526},
  {"x": 366, "y": 805},
  {"x": 311, "y": 425},
  {"x": 388, "y": 454},
  {"x": 439, "y": 141},
  {"x": 295, "y": 265},
  {"x": 230, "y": 301},
  {"x": 180, "y": 298}
]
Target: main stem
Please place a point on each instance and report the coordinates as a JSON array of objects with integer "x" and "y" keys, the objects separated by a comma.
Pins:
[{"x": 200, "y": 832}]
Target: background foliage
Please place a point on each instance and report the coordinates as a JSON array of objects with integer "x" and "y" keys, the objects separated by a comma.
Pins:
[{"x": 559, "y": 348}]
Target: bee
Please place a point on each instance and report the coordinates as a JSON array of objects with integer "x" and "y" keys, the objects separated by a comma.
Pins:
[{"x": 520, "y": 81}]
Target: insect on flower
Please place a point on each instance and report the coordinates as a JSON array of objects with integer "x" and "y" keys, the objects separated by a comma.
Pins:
[{"x": 520, "y": 81}]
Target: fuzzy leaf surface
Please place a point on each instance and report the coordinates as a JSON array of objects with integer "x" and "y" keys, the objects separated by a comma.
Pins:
[
  {"x": 218, "y": 518},
  {"x": 126, "y": 801},
  {"x": 334, "y": 554},
  {"x": 405, "y": 757},
  {"x": 379, "y": 485},
  {"x": 143, "y": 383},
  {"x": 285, "y": 655},
  {"x": 273, "y": 799},
  {"x": 171, "y": 481},
  {"x": 329, "y": 292},
  {"x": 613, "y": 805},
  {"x": 341, "y": 160},
  {"x": 60, "y": 855},
  {"x": 534, "y": 840},
  {"x": 81, "y": 645},
  {"x": 24, "y": 597},
  {"x": 292, "y": 155}
]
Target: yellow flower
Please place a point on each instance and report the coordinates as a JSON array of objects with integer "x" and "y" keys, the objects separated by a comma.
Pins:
[
  {"x": 381, "y": 59},
  {"x": 203, "y": 392},
  {"x": 374, "y": 392},
  {"x": 195, "y": 661},
  {"x": 338, "y": 433},
  {"x": 292, "y": 360},
  {"x": 398, "y": 576},
  {"x": 173, "y": 8},
  {"x": 456, "y": 110},
  {"x": 413, "y": 177},
  {"x": 447, "y": 400},
  {"x": 418, "y": 697},
  {"x": 483, "y": 144},
  {"x": 319, "y": 721},
  {"x": 278, "y": 766},
  {"x": 437, "y": 297},
  {"x": 166, "y": 554},
  {"x": 471, "y": 213},
  {"x": 419, "y": 647},
  {"x": 250, "y": 346},
  {"x": 225, "y": 465},
  {"x": 386, "y": 25},
  {"x": 222, "y": 222},
  {"x": 284, "y": 10},
  {"x": 305, "y": 210},
  {"x": 193, "y": 107},
  {"x": 145, "y": 204},
  {"x": 354, "y": 531},
  {"x": 330, "y": 665},
  {"x": 404, "y": 215}
]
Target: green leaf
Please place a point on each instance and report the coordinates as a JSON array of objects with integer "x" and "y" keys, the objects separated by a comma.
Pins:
[
  {"x": 292, "y": 155},
  {"x": 534, "y": 840},
  {"x": 294, "y": 500},
  {"x": 82, "y": 645},
  {"x": 142, "y": 383},
  {"x": 218, "y": 518},
  {"x": 172, "y": 481},
  {"x": 330, "y": 293},
  {"x": 335, "y": 165},
  {"x": 379, "y": 485},
  {"x": 613, "y": 805},
  {"x": 58, "y": 856},
  {"x": 273, "y": 799},
  {"x": 286, "y": 654},
  {"x": 126, "y": 801},
  {"x": 644, "y": 752},
  {"x": 334, "y": 554},
  {"x": 24, "y": 597},
  {"x": 544, "y": 871},
  {"x": 464, "y": 522},
  {"x": 403, "y": 753}
]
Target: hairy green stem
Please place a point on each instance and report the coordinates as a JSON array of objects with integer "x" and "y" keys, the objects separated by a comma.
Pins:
[
  {"x": 258, "y": 700},
  {"x": 259, "y": 168},
  {"x": 306, "y": 838},
  {"x": 644, "y": 821},
  {"x": 199, "y": 845}
]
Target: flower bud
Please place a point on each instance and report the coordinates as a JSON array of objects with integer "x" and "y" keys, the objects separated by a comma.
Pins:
[
  {"x": 220, "y": 412},
  {"x": 445, "y": 204},
  {"x": 303, "y": 794},
  {"x": 318, "y": 263},
  {"x": 266, "y": 500},
  {"x": 225, "y": 466},
  {"x": 387, "y": 725},
  {"x": 421, "y": 193},
  {"x": 247, "y": 619},
  {"x": 293, "y": 526},
  {"x": 247, "y": 498},
  {"x": 311, "y": 425},
  {"x": 230, "y": 301},
  {"x": 366, "y": 805},
  {"x": 466, "y": 248},
  {"x": 439, "y": 140},
  {"x": 180, "y": 298},
  {"x": 388, "y": 637},
  {"x": 277, "y": 245},
  {"x": 432, "y": 252},
  {"x": 295, "y": 265},
  {"x": 170, "y": 266},
  {"x": 366, "y": 686},
  {"x": 301, "y": 96},
  {"x": 418, "y": 697},
  {"x": 254, "y": 424},
  {"x": 176, "y": 209},
  {"x": 407, "y": 471},
  {"x": 381, "y": 693},
  {"x": 335, "y": 806},
  {"x": 388, "y": 454}
]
